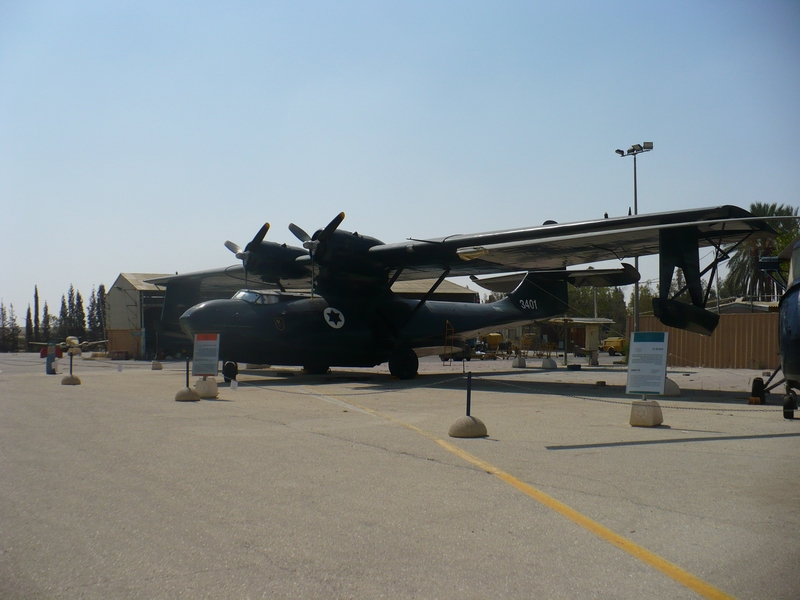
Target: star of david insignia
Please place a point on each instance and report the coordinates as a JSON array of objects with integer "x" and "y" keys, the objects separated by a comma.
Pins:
[{"x": 334, "y": 318}]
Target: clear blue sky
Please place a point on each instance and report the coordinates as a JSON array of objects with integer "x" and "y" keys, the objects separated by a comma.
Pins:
[{"x": 139, "y": 136}]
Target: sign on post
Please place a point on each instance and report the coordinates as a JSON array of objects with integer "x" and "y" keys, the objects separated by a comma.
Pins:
[
  {"x": 50, "y": 361},
  {"x": 206, "y": 354},
  {"x": 647, "y": 363}
]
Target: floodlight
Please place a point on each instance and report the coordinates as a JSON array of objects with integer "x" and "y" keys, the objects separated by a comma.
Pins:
[
  {"x": 620, "y": 152},
  {"x": 648, "y": 145},
  {"x": 636, "y": 147}
]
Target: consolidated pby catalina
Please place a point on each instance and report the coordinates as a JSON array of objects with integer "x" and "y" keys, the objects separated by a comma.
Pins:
[{"x": 351, "y": 317}]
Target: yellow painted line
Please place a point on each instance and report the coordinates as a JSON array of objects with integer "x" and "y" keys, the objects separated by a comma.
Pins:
[{"x": 686, "y": 579}]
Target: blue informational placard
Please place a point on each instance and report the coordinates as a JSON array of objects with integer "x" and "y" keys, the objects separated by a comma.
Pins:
[{"x": 647, "y": 363}]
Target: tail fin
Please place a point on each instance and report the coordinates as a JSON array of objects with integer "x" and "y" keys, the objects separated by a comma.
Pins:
[{"x": 541, "y": 295}]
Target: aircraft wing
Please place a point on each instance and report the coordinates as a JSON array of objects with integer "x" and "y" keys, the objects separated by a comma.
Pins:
[
  {"x": 213, "y": 283},
  {"x": 562, "y": 245},
  {"x": 549, "y": 246},
  {"x": 349, "y": 263}
]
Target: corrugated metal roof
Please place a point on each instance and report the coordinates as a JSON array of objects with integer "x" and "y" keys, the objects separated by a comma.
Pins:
[
  {"x": 421, "y": 286},
  {"x": 137, "y": 281}
]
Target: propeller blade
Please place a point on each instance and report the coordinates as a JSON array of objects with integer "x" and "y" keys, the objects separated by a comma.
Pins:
[
  {"x": 256, "y": 241},
  {"x": 233, "y": 248},
  {"x": 331, "y": 227},
  {"x": 299, "y": 233}
]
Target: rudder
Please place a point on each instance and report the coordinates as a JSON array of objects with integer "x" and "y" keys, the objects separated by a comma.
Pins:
[{"x": 541, "y": 295}]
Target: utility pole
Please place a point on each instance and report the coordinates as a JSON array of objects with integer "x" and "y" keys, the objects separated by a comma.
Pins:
[{"x": 634, "y": 151}]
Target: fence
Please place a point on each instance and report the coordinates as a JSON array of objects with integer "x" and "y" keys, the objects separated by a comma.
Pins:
[{"x": 741, "y": 341}]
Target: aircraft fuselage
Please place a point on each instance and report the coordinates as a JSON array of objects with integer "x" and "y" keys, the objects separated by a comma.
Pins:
[
  {"x": 348, "y": 331},
  {"x": 790, "y": 335}
]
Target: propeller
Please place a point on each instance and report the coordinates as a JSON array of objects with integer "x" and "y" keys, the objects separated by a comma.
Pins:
[
  {"x": 251, "y": 246},
  {"x": 311, "y": 243}
]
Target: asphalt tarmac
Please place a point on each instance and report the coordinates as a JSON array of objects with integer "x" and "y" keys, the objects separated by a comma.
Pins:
[{"x": 348, "y": 486}]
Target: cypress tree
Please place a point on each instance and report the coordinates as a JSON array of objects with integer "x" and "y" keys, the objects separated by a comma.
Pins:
[
  {"x": 3, "y": 321},
  {"x": 101, "y": 310},
  {"x": 36, "y": 331},
  {"x": 91, "y": 317},
  {"x": 72, "y": 321},
  {"x": 45, "y": 324},
  {"x": 63, "y": 318},
  {"x": 80, "y": 317},
  {"x": 14, "y": 330},
  {"x": 28, "y": 328}
]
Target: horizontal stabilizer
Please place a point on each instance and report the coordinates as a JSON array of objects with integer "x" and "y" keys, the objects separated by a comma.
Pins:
[
  {"x": 627, "y": 275},
  {"x": 685, "y": 316}
]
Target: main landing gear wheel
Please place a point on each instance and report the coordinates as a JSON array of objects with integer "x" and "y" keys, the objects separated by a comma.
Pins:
[
  {"x": 404, "y": 365},
  {"x": 316, "y": 369},
  {"x": 757, "y": 390},
  {"x": 789, "y": 405},
  {"x": 229, "y": 371}
]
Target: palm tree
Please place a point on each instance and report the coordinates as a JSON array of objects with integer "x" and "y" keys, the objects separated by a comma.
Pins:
[{"x": 744, "y": 277}]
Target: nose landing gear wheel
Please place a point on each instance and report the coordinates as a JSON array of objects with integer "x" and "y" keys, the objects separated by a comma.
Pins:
[
  {"x": 404, "y": 365},
  {"x": 229, "y": 371}
]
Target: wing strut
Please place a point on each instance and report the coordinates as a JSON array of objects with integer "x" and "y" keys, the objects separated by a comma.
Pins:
[
  {"x": 431, "y": 291},
  {"x": 395, "y": 277}
]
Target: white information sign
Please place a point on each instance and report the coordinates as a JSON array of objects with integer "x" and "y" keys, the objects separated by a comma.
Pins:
[
  {"x": 647, "y": 363},
  {"x": 206, "y": 354}
]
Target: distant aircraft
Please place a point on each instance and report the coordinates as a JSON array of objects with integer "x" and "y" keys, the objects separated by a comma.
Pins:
[
  {"x": 352, "y": 318},
  {"x": 789, "y": 326},
  {"x": 71, "y": 343}
]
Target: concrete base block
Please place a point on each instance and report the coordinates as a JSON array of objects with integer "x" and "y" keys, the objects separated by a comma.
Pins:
[
  {"x": 518, "y": 363},
  {"x": 646, "y": 413},
  {"x": 156, "y": 366},
  {"x": 70, "y": 380},
  {"x": 549, "y": 363},
  {"x": 207, "y": 388},
  {"x": 187, "y": 395},
  {"x": 671, "y": 388},
  {"x": 467, "y": 427}
]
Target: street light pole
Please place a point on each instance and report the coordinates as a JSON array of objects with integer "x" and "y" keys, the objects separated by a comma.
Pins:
[{"x": 634, "y": 151}]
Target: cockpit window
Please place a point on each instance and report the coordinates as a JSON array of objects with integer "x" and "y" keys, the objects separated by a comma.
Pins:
[
  {"x": 794, "y": 265},
  {"x": 246, "y": 296},
  {"x": 257, "y": 297}
]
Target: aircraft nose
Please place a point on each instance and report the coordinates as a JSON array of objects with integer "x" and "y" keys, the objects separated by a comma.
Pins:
[{"x": 202, "y": 318}]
